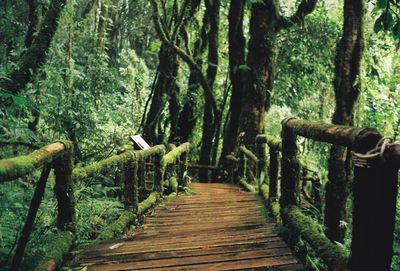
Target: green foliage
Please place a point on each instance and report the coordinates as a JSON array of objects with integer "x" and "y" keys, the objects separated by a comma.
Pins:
[{"x": 386, "y": 14}]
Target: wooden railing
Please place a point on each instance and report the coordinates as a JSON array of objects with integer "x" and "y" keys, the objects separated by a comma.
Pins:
[
  {"x": 58, "y": 156},
  {"x": 374, "y": 197}
]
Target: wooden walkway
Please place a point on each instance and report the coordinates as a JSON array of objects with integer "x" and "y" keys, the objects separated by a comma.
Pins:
[{"x": 219, "y": 227}]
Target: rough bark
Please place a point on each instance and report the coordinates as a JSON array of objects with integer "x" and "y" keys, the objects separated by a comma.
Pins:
[
  {"x": 265, "y": 23},
  {"x": 35, "y": 56},
  {"x": 168, "y": 69},
  {"x": 347, "y": 88},
  {"x": 63, "y": 189},
  {"x": 187, "y": 118},
  {"x": 259, "y": 74},
  {"x": 209, "y": 116},
  {"x": 236, "y": 61},
  {"x": 33, "y": 18}
]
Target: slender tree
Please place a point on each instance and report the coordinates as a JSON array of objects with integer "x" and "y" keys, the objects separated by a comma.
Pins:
[
  {"x": 237, "y": 45},
  {"x": 35, "y": 55},
  {"x": 252, "y": 81},
  {"x": 347, "y": 87},
  {"x": 210, "y": 117}
]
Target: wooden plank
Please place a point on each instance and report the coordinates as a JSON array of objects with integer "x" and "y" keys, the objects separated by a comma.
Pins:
[{"x": 218, "y": 227}]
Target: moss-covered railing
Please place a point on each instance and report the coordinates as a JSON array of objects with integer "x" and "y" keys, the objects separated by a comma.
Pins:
[
  {"x": 243, "y": 168},
  {"x": 376, "y": 165},
  {"x": 375, "y": 189},
  {"x": 55, "y": 156},
  {"x": 59, "y": 157}
]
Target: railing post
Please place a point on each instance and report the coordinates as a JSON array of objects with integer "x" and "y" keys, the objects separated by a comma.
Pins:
[
  {"x": 290, "y": 172},
  {"x": 273, "y": 173},
  {"x": 159, "y": 171},
  {"x": 30, "y": 219},
  {"x": 63, "y": 189},
  {"x": 183, "y": 167},
  {"x": 261, "y": 167},
  {"x": 374, "y": 210},
  {"x": 131, "y": 191},
  {"x": 142, "y": 173},
  {"x": 242, "y": 168}
]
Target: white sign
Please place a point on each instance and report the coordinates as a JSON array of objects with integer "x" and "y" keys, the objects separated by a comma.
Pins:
[{"x": 139, "y": 141}]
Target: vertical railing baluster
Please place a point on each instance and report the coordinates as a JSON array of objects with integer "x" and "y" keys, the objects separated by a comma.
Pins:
[
  {"x": 374, "y": 212},
  {"x": 30, "y": 218},
  {"x": 159, "y": 172},
  {"x": 183, "y": 168},
  {"x": 63, "y": 189},
  {"x": 131, "y": 191},
  {"x": 273, "y": 173},
  {"x": 290, "y": 175},
  {"x": 262, "y": 164}
]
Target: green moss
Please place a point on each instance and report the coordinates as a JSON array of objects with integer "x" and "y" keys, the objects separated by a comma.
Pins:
[
  {"x": 333, "y": 256},
  {"x": 264, "y": 191},
  {"x": 232, "y": 158},
  {"x": 335, "y": 134},
  {"x": 172, "y": 156},
  {"x": 275, "y": 209},
  {"x": 116, "y": 228},
  {"x": 57, "y": 250},
  {"x": 108, "y": 165},
  {"x": 102, "y": 167},
  {"x": 248, "y": 153},
  {"x": 173, "y": 183},
  {"x": 247, "y": 186},
  {"x": 149, "y": 152},
  {"x": 271, "y": 141},
  {"x": 16, "y": 167},
  {"x": 169, "y": 197},
  {"x": 148, "y": 203}
]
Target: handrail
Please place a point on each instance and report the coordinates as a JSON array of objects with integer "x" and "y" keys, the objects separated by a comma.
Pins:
[
  {"x": 369, "y": 198},
  {"x": 16, "y": 167},
  {"x": 58, "y": 155}
]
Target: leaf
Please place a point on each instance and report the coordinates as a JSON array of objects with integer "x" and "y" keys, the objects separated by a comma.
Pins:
[
  {"x": 378, "y": 25},
  {"x": 396, "y": 30},
  {"x": 118, "y": 245},
  {"x": 18, "y": 100},
  {"x": 381, "y": 3},
  {"x": 244, "y": 67},
  {"x": 387, "y": 20}
]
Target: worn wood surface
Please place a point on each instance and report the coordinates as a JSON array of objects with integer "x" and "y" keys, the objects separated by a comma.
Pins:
[{"x": 218, "y": 227}]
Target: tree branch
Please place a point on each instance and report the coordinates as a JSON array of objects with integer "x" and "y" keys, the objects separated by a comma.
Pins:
[
  {"x": 184, "y": 56},
  {"x": 305, "y": 8}
]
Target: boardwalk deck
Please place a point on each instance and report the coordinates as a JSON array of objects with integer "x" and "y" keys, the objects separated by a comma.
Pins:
[{"x": 219, "y": 227}]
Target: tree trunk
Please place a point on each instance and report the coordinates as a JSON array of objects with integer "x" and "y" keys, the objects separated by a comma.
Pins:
[
  {"x": 168, "y": 69},
  {"x": 33, "y": 18},
  {"x": 260, "y": 71},
  {"x": 209, "y": 117},
  {"x": 187, "y": 118},
  {"x": 347, "y": 89},
  {"x": 236, "y": 61},
  {"x": 35, "y": 56}
]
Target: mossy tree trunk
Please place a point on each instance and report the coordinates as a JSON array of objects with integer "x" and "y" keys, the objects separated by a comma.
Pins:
[
  {"x": 168, "y": 69},
  {"x": 209, "y": 117},
  {"x": 347, "y": 89},
  {"x": 259, "y": 73},
  {"x": 35, "y": 55},
  {"x": 187, "y": 117},
  {"x": 265, "y": 23},
  {"x": 237, "y": 44}
]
